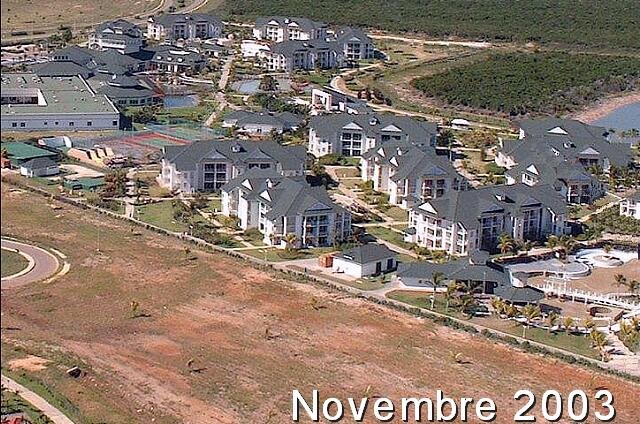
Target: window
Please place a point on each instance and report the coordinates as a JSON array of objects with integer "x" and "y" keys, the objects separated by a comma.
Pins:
[
  {"x": 114, "y": 123},
  {"x": 22, "y": 124},
  {"x": 14, "y": 124},
  {"x": 71, "y": 124},
  {"x": 56, "y": 123},
  {"x": 45, "y": 123},
  {"x": 89, "y": 123}
]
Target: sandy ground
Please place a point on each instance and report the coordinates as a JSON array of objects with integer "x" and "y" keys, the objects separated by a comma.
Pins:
[
  {"x": 216, "y": 340},
  {"x": 601, "y": 280},
  {"x": 606, "y": 106},
  {"x": 30, "y": 363}
]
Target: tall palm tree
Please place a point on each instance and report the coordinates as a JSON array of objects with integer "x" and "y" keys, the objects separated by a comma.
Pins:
[
  {"x": 448, "y": 294},
  {"x": 530, "y": 312},
  {"x": 600, "y": 342},
  {"x": 552, "y": 242},
  {"x": 436, "y": 279},
  {"x": 498, "y": 305},
  {"x": 568, "y": 322},
  {"x": 552, "y": 319}
]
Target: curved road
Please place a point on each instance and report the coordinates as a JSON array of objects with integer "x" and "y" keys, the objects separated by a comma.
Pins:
[{"x": 46, "y": 264}]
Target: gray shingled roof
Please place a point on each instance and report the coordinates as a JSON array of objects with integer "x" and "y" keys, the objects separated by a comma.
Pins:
[
  {"x": 288, "y": 48},
  {"x": 287, "y": 196},
  {"x": 39, "y": 163},
  {"x": 285, "y": 120},
  {"x": 514, "y": 294},
  {"x": 543, "y": 136},
  {"x": 328, "y": 126},
  {"x": 119, "y": 28},
  {"x": 460, "y": 269},
  {"x": 61, "y": 69},
  {"x": 238, "y": 151},
  {"x": 172, "y": 18},
  {"x": 349, "y": 34},
  {"x": 304, "y": 24},
  {"x": 467, "y": 206},
  {"x": 367, "y": 253}
]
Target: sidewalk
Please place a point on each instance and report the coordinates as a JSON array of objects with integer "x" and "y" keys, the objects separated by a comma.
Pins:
[{"x": 49, "y": 410}]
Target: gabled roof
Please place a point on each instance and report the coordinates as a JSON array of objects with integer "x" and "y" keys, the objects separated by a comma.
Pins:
[
  {"x": 367, "y": 253},
  {"x": 328, "y": 126},
  {"x": 467, "y": 207},
  {"x": 39, "y": 163},
  {"x": 186, "y": 157},
  {"x": 242, "y": 118},
  {"x": 460, "y": 269},
  {"x": 567, "y": 139},
  {"x": 283, "y": 196},
  {"x": 304, "y": 24},
  {"x": 351, "y": 34},
  {"x": 119, "y": 27},
  {"x": 173, "y": 18},
  {"x": 289, "y": 47}
]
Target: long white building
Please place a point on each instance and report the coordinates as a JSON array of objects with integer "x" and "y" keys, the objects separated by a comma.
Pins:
[{"x": 31, "y": 102}]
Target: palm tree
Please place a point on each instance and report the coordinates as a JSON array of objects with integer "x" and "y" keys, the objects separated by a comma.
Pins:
[
  {"x": 620, "y": 280},
  {"x": 552, "y": 319},
  {"x": 291, "y": 239},
  {"x": 568, "y": 322},
  {"x": 600, "y": 342},
  {"x": 530, "y": 312},
  {"x": 498, "y": 305},
  {"x": 466, "y": 303},
  {"x": 448, "y": 294},
  {"x": 505, "y": 243},
  {"x": 552, "y": 242},
  {"x": 436, "y": 279},
  {"x": 589, "y": 324},
  {"x": 633, "y": 286}
]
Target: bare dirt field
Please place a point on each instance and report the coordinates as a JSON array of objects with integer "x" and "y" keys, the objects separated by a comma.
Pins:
[
  {"x": 215, "y": 340},
  {"x": 30, "y": 15}
]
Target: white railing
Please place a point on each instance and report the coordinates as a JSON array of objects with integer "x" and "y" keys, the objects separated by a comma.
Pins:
[{"x": 560, "y": 289}]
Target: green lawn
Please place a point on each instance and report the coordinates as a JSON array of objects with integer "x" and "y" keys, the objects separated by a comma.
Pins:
[
  {"x": 161, "y": 214},
  {"x": 573, "y": 343},
  {"x": 388, "y": 235},
  {"x": 272, "y": 254},
  {"x": 398, "y": 214},
  {"x": 12, "y": 263},
  {"x": 12, "y": 403}
]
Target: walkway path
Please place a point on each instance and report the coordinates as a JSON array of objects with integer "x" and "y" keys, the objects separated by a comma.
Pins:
[
  {"x": 220, "y": 95},
  {"x": 45, "y": 264},
  {"x": 53, "y": 413}
]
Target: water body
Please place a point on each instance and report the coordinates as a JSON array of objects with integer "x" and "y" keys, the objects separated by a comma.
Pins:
[
  {"x": 171, "y": 102},
  {"x": 252, "y": 86},
  {"x": 624, "y": 118}
]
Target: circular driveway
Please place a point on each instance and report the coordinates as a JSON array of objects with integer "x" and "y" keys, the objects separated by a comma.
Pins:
[{"x": 45, "y": 264}]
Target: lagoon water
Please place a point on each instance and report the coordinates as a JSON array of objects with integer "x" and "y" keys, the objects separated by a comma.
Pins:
[{"x": 624, "y": 118}]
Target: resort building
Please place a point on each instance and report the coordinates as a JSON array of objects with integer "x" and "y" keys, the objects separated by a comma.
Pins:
[
  {"x": 365, "y": 261},
  {"x": 355, "y": 44},
  {"x": 208, "y": 165},
  {"x": 177, "y": 60},
  {"x": 630, "y": 206},
  {"x": 261, "y": 124},
  {"x": 280, "y": 28},
  {"x": 570, "y": 179},
  {"x": 463, "y": 222},
  {"x": 285, "y": 209},
  {"x": 292, "y": 55},
  {"x": 174, "y": 27},
  {"x": 326, "y": 99},
  {"x": 353, "y": 135},
  {"x": 119, "y": 35},
  {"x": 562, "y": 153},
  {"x": 409, "y": 173},
  {"x": 31, "y": 102},
  {"x": 479, "y": 273}
]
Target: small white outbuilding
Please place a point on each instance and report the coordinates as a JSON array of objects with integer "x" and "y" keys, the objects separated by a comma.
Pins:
[{"x": 365, "y": 260}]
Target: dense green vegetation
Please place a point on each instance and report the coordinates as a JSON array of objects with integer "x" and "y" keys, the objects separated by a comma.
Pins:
[
  {"x": 586, "y": 22},
  {"x": 520, "y": 83}
]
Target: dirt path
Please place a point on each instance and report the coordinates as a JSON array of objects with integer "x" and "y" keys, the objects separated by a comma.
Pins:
[{"x": 36, "y": 400}]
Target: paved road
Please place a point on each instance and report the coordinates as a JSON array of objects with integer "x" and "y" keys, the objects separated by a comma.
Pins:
[
  {"x": 46, "y": 264},
  {"x": 220, "y": 96},
  {"x": 49, "y": 410}
]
